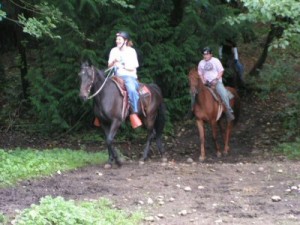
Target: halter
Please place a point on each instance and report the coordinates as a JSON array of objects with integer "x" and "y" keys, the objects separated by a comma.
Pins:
[{"x": 110, "y": 73}]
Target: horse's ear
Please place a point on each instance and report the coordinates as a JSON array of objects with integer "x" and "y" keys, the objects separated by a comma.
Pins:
[{"x": 86, "y": 63}]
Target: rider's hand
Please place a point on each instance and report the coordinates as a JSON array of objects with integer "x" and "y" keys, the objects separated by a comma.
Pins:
[
  {"x": 119, "y": 65},
  {"x": 214, "y": 82},
  {"x": 207, "y": 83}
]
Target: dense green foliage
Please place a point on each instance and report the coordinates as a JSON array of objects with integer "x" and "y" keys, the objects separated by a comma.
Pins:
[
  {"x": 168, "y": 36},
  {"x": 280, "y": 78},
  {"x": 284, "y": 13},
  {"x": 61, "y": 212},
  {"x": 22, "y": 164}
]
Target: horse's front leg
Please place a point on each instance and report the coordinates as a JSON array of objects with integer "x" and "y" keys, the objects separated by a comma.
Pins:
[
  {"x": 227, "y": 137},
  {"x": 200, "y": 125},
  {"x": 110, "y": 135},
  {"x": 214, "y": 127}
]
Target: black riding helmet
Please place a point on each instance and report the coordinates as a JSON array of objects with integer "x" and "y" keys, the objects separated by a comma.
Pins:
[
  {"x": 123, "y": 34},
  {"x": 206, "y": 50}
]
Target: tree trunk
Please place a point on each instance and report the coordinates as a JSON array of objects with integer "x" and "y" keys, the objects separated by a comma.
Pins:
[
  {"x": 275, "y": 32},
  {"x": 14, "y": 10},
  {"x": 23, "y": 66},
  {"x": 177, "y": 13}
]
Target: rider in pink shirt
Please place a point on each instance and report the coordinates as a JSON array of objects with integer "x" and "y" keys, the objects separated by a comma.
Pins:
[{"x": 210, "y": 70}]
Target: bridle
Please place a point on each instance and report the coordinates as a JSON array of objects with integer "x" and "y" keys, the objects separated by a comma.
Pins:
[{"x": 110, "y": 73}]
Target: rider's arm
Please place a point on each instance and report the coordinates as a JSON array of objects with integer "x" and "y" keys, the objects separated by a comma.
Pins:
[
  {"x": 220, "y": 52},
  {"x": 201, "y": 75},
  {"x": 112, "y": 63},
  {"x": 235, "y": 53},
  {"x": 220, "y": 74},
  {"x": 219, "y": 68}
]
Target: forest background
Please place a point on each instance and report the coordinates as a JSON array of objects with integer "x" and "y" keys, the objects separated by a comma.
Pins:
[{"x": 42, "y": 44}]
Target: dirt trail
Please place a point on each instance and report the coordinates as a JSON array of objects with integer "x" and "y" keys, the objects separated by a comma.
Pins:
[{"x": 237, "y": 189}]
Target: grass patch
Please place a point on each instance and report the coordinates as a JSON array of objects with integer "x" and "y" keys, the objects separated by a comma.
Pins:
[
  {"x": 21, "y": 164},
  {"x": 61, "y": 212},
  {"x": 3, "y": 219},
  {"x": 291, "y": 150}
]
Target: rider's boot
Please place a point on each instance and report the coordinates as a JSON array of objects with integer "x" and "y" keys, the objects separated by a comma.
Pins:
[
  {"x": 97, "y": 122},
  {"x": 229, "y": 114},
  {"x": 135, "y": 121}
]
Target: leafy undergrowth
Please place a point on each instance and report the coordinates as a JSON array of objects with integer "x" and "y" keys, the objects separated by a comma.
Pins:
[
  {"x": 60, "y": 211},
  {"x": 21, "y": 164}
]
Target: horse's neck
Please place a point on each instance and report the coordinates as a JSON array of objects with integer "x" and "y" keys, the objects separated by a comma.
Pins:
[
  {"x": 98, "y": 80},
  {"x": 204, "y": 94},
  {"x": 99, "y": 77}
]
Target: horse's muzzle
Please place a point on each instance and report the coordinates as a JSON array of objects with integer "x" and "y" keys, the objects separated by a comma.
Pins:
[{"x": 83, "y": 97}]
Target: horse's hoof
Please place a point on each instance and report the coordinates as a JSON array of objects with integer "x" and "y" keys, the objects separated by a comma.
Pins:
[
  {"x": 225, "y": 153},
  {"x": 201, "y": 159},
  {"x": 164, "y": 159},
  {"x": 107, "y": 166},
  {"x": 141, "y": 162},
  {"x": 219, "y": 154},
  {"x": 119, "y": 162}
]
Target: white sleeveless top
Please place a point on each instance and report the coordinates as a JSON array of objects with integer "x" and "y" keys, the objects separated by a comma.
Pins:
[{"x": 127, "y": 57}]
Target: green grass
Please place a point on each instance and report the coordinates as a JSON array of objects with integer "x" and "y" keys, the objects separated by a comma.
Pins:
[
  {"x": 21, "y": 164},
  {"x": 291, "y": 150},
  {"x": 58, "y": 211},
  {"x": 3, "y": 219}
]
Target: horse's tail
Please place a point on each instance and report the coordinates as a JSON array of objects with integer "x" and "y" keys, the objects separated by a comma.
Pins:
[{"x": 160, "y": 120}]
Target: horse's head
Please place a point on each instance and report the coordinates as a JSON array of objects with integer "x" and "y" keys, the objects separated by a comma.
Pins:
[
  {"x": 194, "y": 80},
  {"x": 87, "y": 76}
]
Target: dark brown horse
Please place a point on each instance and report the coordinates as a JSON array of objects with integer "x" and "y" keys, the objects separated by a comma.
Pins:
[
  {"x": 109, "y": 108},
  {"x": 208, "y": 110}
]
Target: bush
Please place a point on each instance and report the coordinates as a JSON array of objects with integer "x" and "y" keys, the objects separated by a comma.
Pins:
[
  {"x": 61, "y": 212},
  {"x": 281, "y": 78}
]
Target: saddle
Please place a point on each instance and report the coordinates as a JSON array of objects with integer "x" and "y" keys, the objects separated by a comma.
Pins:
[
  {"x": 144, "y": 93},
  {"x": 217, "y": 98}
]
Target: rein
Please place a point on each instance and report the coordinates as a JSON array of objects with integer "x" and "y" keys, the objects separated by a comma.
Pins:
[{"x": 110, "y": 73}]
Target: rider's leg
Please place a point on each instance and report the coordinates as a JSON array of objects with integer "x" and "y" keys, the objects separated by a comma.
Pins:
[
  {"x": 132, "y": 86},
  {"x": 225, "y": 99}
]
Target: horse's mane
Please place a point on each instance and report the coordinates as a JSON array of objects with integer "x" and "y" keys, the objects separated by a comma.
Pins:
[
  {"x": 193, "y": 77},
  {"x": 99, "y": 72}
]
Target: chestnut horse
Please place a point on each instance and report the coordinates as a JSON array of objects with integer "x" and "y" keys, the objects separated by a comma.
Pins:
[
  {"x": 109, "y": 108},
  {"x": 208, "y": 110}
]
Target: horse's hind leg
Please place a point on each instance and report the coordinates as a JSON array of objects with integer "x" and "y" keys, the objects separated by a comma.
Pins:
[
  {"x": 159, "y": 145},
  {"x": 151, "y": 135}
]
